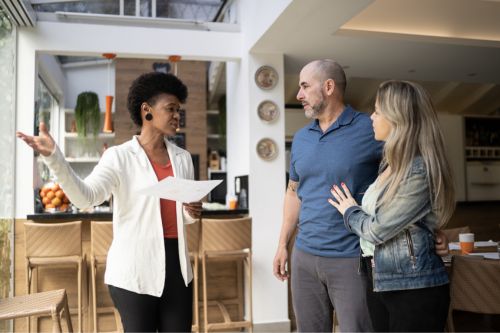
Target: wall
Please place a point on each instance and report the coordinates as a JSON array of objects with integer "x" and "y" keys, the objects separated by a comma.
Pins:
[{"x": 89, "y": 77}]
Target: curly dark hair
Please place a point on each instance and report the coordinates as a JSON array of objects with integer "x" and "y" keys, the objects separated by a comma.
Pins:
[{"x": 147, "y": 87}]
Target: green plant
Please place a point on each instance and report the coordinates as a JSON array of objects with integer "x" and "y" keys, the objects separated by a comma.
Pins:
[{"x": 87, "y": 113}]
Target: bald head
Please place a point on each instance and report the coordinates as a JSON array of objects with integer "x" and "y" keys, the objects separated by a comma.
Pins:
[{"x": 329, "y": 69}]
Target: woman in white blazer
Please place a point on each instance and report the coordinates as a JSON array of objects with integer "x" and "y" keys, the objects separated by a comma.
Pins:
[{"x": 148, "y": 269}]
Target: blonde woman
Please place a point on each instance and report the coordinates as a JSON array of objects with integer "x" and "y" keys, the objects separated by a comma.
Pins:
[{"x": 412, "y": 196}]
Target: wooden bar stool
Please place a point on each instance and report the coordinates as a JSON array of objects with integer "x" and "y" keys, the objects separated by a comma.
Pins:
[
  {"x": 193, "y": 241},
  {"x": 54, "y": 244},
  {"x": 228, "y": 240},
  {"x": 52, "y": 303},
  {"x": 101, "y": 236}
]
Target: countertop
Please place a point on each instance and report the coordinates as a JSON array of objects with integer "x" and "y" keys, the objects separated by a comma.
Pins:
[{"x": 108, "y": 216}]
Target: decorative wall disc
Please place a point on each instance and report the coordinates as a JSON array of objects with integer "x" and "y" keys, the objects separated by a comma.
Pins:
[
  {"x": 267, "y": 149},
  {"x": 266, "y": 77},
  {"x": 268, "y": 111}
]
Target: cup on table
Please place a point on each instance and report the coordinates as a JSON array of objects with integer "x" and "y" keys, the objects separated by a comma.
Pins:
[{"x": 466, "y": 242}]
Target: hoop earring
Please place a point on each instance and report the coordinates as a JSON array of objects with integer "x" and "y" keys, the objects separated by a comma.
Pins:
[{"x": 148, "y": 116}]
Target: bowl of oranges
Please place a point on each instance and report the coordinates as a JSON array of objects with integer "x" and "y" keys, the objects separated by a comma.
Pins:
[{"x": 53, "y": 198}]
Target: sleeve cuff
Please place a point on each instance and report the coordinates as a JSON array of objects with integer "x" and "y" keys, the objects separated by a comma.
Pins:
[{"x": 347, "y": 215}]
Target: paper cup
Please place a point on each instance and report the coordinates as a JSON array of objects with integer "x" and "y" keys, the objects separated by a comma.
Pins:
[{"x": 466, "y": 242}]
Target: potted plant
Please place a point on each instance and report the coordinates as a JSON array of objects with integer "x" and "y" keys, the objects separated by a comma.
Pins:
[{"x": 87, "y": 113}]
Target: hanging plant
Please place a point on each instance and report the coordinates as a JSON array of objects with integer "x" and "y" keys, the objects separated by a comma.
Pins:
[{"x": 87, "y": 113}]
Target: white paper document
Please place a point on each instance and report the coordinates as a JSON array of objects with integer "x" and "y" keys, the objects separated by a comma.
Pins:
[{"x": 178, "y": 189}]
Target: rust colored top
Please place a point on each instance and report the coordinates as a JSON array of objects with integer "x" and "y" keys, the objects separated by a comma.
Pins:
[{"x": 167, "y": 207}]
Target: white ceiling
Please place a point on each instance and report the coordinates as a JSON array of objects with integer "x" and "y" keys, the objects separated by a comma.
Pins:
[{"x": 451, "y": 46}]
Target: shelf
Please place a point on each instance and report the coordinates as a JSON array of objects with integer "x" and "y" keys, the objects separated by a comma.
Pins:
[
  {"x": 212, "y": 112},
  {"x": 72, "y": 135},
  {"x": 83, "y": 159},
  {"x": 482, "y": 153},
  {"x": 213, "y": 136}
]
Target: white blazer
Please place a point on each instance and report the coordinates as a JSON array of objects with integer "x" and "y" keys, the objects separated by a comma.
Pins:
[{"x": 136, "y": 258}]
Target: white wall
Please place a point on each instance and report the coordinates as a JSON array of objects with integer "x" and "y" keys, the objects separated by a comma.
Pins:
[
  {"x": 53, "y": 76},
  {"x": 92, "y": 77},
  {"x": 295, "y": 119}
]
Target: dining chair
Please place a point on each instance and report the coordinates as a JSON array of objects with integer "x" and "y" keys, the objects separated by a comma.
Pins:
[
  {"x": 474, "y": 287},
  {"x": 53, "y": 303},
  {"x": 228, "y": 240},
  {"x": 54, "y": 245},
  {"x": 101, "y": 236},
  {"x": 193, "y": 241},
  {"x": 452, "y": 233}
]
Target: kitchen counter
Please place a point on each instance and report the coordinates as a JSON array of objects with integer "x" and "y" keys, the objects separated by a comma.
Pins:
[{"x": 108, "y": 216}]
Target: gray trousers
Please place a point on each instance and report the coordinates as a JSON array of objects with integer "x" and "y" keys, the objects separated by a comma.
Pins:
[{"x": 320, "y": 284}]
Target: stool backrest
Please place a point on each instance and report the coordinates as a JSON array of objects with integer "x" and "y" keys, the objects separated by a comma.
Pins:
[
  {"x": 53, "y": 239},
  {"x": 101, "y": 236},
  {"x": 193, "y": 236},
  {"x": 226, "y": 234},
  {"x": 475, "y": 284},
  {"x": 452, "y": 233}
]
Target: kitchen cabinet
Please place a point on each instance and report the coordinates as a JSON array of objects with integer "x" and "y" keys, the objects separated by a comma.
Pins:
[{"x": 482, "y": 154}]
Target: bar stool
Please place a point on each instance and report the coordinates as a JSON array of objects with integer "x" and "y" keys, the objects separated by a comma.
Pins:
[
  {"x": 227, "y": 240},
  {"x": 101, "y": 236},
  {"x": 193, "y": 241},
  {"x": 52, "y": 303},
  {"x": 54, "y": 244}
]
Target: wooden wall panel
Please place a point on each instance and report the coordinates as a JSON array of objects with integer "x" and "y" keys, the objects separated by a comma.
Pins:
[{"x": 194, "y": 76}]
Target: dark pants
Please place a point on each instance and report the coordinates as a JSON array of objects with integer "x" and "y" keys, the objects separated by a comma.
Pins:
[
  {"x": 172, "y": 312},
  {"x": 412, "y": 310}
]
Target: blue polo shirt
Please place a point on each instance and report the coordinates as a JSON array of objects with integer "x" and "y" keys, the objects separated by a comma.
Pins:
[{"x": 346, "y": 152}]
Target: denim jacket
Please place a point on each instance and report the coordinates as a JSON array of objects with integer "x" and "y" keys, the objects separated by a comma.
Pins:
[{"x": 402, "y": 232}]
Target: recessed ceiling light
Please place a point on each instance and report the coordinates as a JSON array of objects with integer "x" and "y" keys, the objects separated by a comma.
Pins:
[{"x": 471, "y": 74}]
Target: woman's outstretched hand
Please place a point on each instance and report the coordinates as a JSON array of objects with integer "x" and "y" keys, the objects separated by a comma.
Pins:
[
  {"x": 343, "y": 197},
  {"x": 43, "y": 143}
]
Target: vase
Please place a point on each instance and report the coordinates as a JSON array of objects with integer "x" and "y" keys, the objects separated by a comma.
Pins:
[{"x": 108, "y": 120}]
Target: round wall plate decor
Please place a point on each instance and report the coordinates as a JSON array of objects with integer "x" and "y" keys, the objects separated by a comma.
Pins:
[
  {"x": 266, "y": 77},
  {"x": 268, "y": 111},
  {"x": 267, "y": 149}
]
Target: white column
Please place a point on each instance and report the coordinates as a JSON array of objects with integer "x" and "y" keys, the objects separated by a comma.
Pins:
[{"x": 266, "y": 180}]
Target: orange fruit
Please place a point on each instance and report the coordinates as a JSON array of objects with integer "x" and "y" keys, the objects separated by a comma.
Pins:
[
  {"x": 49, "y": 206},
  {"x": 42, "y": 193},
  {"x": 50, "y": 195},
  {"x": 55, "y": 188},
  {"x": 45, "y": 200},
  {"x": 63, "y": 207},
  {"x": 65, "y": 199},
  {"x": 56, "y": 202},
  {"x": 59, "y": 194}
]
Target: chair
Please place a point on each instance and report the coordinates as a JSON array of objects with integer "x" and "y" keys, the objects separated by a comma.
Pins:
[
  {"x": 193, "y": 241},
  {"x": 452, "y": 233},
  {"x": 101, "y": 236},
  {"x": 54, "y": 244},
  {"x": 475, "y": 286},
  {"x": 52, "y": 303},
  {"x": 227, "y": 239}
]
